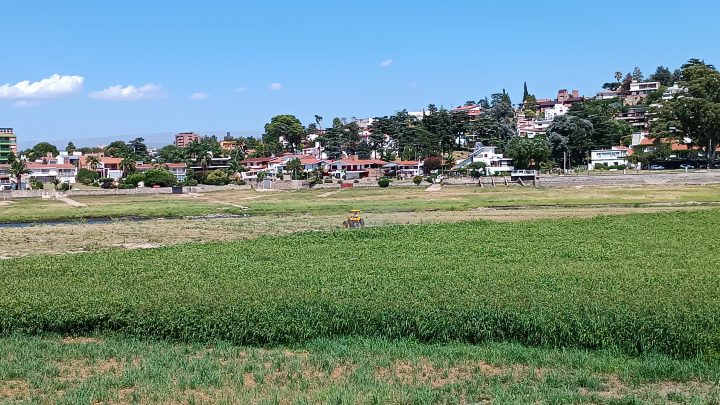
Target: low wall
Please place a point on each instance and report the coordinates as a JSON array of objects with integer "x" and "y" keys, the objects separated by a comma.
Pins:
[{"x": 629, "y": 179}]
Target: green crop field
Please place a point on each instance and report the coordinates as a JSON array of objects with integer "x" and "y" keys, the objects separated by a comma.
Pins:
[{"x": 639, "y": 283}]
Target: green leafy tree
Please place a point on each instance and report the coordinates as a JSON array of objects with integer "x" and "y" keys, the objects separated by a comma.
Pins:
[
  {"x": 364, "y": 151},
  {"x": 637, "y": 74},
  {"x": 287, "y": 127},
  {"x": 217, "y": 178},
  {"x": 526, "y": 151},
  {"x": 159, "y": 177},
  {"x": 86, "y": 176},
  {"x": 117, "y": 149},
  {"x": 41, "y": 150},
  {"x": 172, "y": 154},
  {"x": 694, "y": 114},
  {"x": 572, "y": 135},
  {"x": 662, "y": 75},
  {"x": 70, "y": 148}
]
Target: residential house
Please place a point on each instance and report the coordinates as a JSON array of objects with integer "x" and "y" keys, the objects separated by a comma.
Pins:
[
  {"x": 216, "y": 163},
  {"x": 494, "y": 162},
  {"x": 228, "y": 145},
  {"x": 606, "y": 95},
  {"x": 639, "y": 91},
  {"x": 636, "y": 117},
  {"x": 472, "y": 110},
  {"x": 6, "y": 181},
  {"x": 47, "y": 172},
  {"x": 670, "y": 92},
  {"x": 178, "y": 169},
  {"x": 352, "y": 168},
  {"x": 69, "y": 158},
  {"x": 410, "y": 168},
  {"x": 615, "y": 156},
  {"x": 254, "y": 166}
]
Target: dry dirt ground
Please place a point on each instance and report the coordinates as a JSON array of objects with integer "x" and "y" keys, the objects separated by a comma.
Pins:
[{"x": 74, "y": 238}]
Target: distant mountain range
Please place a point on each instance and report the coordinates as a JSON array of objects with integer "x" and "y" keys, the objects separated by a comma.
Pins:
[{"x": 152, "y": 140}]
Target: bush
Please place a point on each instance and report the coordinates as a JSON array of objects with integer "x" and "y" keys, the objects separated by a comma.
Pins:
[
  {"x": 217, "y": 178},
  {"x": 125, "y": 186},
  {"x": 106, "y": 182},
  {"x": 239, "y": 182},
  {"x": 417, "y": 180},
  {"x": 64, "y": 186},
  {"x": 339, "y": 182},
  {"x": 384, "y": 182},
  {"x": 356, "y": 181},
  {"x": 599, "y": 166},
  {"x": 87, "y": 177},
  {"x": 135, "y": 179},
  {"x": 327, "y": 181},
  {"x": 189, "y": 181},
  {"x": 430, "y": 180},
  {"x": 36, "y": 185},
  {"x": 159, "y": 177}
]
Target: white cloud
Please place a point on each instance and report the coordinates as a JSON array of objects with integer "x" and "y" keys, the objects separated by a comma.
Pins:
[
  {"x": 198, "y": 96},
  {"x": 386, "y": 63},
  {"x": 52, "y": 86},
  {"x": 275, "y": 86},
  {"x": 24, "y": 103},
  {"x": 241, "y": 89},
  {"x": 128, "y": 93}
]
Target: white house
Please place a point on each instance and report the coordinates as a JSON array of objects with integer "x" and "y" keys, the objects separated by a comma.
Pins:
[
  {"x": 617, "y": 155},
  {"x": 406, "y": 168},
  {"x": 69, "y": 158},
  {"x": 494, "y": 162},
  {"x": 557, "y": 110},
  {"x": 46, "y": 172},
  {"x": 643, "y": 88},
  {"x": 355, "y": 168},
  {"x": 670, "y": 92},
  {"x": 178, "y": 169}
]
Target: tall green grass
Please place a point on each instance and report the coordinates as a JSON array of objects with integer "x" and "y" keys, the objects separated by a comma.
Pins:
[{"x": 639, "y": 283}]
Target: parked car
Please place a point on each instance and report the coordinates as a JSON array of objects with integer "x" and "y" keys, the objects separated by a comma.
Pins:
[
  {"x": 686, "y": 167},
  {"x": 657, "y": 167}
]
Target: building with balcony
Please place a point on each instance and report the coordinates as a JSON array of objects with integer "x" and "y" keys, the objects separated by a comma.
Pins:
[
  {"x": 178, "y": 169},
  {"x": 47, "y": 172},
  {"x": 494, "y": 162},
  {"x": 8, "y": 144},
  {"x": 183, "y": 139},
  {"x": 614, "y": 156}
]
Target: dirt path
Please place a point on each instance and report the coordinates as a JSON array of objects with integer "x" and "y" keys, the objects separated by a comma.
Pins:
[
  {"x": 163, "y": 232},
  {"x": 72, "y": 202}
]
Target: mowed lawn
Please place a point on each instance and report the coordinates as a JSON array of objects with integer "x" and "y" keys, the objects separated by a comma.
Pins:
[
  {"x": 637, "y": 283},
  {"x": 320, "y": 202}
]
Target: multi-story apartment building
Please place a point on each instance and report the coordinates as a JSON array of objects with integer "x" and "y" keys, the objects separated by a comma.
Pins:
[
  {"x": 183, "y": 139},
  {"x": 8, "y": 144}
]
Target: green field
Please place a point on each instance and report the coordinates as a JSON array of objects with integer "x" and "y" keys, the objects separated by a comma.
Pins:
[
  {"x": 125, "y": 370},
  {"x": 639, "y": 283},
  {"x": 322, "y": 202}
]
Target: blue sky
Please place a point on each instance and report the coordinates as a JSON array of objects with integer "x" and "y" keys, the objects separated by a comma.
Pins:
[{"x": 245, "y": 61}]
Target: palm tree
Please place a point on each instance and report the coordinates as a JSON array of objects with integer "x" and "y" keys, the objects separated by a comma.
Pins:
[
  {"x": 205, "y": 161},
  {"x": 93, "y": 162},
  {"x": 127, "y": 165},
  {"x": 17, "y": 169},
  {"x": 235, "y": 167},
  {"x": 55, "y": 181},
  {"x": 295, "y": 167}
]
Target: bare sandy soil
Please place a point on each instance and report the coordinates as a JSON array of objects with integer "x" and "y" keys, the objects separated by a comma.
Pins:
[{"x": 75, "y": 238}]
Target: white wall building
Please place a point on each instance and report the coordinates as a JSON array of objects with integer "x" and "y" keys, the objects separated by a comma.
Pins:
[
  {"x": 46, "y": 173},
  {"x": 643, "y": 88},
  {"x": 617, "y": 155},
  {"x": 557, "y": 110},
  {"x": 494, "y": 162}
]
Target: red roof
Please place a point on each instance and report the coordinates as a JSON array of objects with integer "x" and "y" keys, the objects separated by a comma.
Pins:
[
  {"x": 408, "y": 162},
  {"x": 111, "y": 160}
]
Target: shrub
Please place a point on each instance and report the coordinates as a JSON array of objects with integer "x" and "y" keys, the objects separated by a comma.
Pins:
[
  {"x": 135, "y": 179},
  {"x": 339, "y": 182},
  {"x": 87, "y": 177},
  {"x": 328, "y": 181},
  {"x": 356, "y": 181},
  {"x": 159, "y": 177},
  {"x": 239, "y": 182},
  {"x": 217, "y": 178},
  {"x": 64, "y": 186},
  {"x": 125, "y": 186},
  {"x": 430, "y": 179},
  {"x": 384, "y": 182},
  {"x": 36, "y": 185},
  {"x": 599, "y": 166},
  {"x": 417, "y": 180},
  {"x": 106, "y": 182}
]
